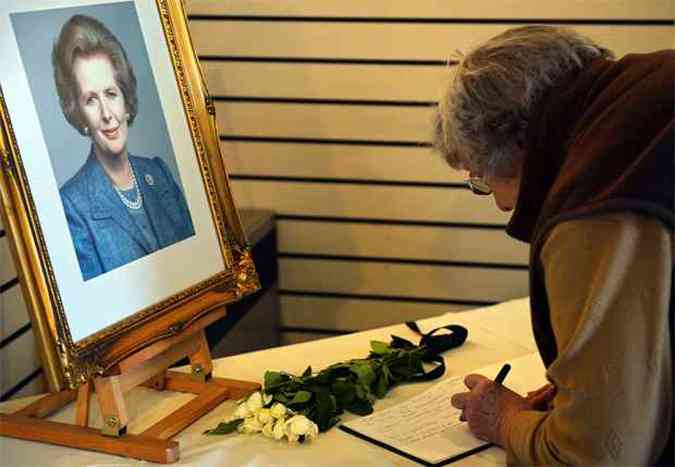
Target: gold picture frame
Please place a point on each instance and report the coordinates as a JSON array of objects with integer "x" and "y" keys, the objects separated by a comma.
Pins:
[{"x": 71, "y": 357}]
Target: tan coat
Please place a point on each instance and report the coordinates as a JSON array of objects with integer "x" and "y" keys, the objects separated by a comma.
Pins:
[{"x": 607, "y": 280}]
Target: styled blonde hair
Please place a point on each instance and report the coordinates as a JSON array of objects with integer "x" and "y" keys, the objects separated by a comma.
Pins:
[{"x": 84, "y": 36}]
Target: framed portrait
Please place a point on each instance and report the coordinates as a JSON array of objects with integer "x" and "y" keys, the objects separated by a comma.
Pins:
[{"x": 114, "y": 192}]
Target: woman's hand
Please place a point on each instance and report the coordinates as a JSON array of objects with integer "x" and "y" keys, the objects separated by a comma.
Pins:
[{"x": 488, "y": 408}]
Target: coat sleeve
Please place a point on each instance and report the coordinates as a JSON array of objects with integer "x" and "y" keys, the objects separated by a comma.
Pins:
[
  {"x": 85, "y": 249},
  {"x": 608, "y": 285}
]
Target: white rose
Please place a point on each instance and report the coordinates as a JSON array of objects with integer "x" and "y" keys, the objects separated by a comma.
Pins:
[
  {"x": 312, "y": 433},
  {"x": 278, "y": 410},
  {"x": 268, "y": 429},
  {"x": 242, "y": 411},
  {"x": 250, "y": 425},
  {"x": 264, "y": 416},
  {"x": 299, "y": 425},
  {"x": 255, "y": 401},
  {"x": 279, "y": 430},
  {"x": 291, "y": 437}
]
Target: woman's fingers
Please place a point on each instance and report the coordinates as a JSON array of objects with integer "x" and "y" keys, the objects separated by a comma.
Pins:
[
  {"x": 473, "y": 380},
  {"x": 544, "y": 388},
  {"x": 458, "y": 400},
  {"x": 540, "y": 399}
]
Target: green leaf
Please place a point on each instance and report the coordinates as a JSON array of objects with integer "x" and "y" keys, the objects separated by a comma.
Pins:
[
  {"x": 364, "y": 372},
  {"x": 361, "y": 407},
  {"x": 382, "y": 385},
  {"x": 379, "y": 348},
  {"x": 325, "y": 404},
  {"x": 341, "y": 385},
  {"x": 353, "y": 385},
  {"x": 225, "y": 428},
  {"x": 273, "y": 380},
  {"x": 360, "y": 393},
  {"x": 301, "y": 397},
  {"x": 279, "y": 397},
  {"x": 344, "y": 392}
]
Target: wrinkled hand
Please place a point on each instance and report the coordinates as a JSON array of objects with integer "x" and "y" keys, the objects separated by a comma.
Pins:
[
  {"x": 488, "y": 408},
  {"x": 542, "y": 398}
]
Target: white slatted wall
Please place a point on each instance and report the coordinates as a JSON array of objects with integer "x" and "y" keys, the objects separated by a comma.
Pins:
[
  {"x": 20, "y": 368},
  {"x": 324, "y": 113},
  {"x": 323, "y": 109}
]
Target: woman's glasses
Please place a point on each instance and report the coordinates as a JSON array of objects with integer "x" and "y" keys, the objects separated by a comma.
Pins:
[{"x": 478, "y": 186}]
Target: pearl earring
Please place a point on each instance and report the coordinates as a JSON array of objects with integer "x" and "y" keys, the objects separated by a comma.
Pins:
[{"x": 86, "y": 130}]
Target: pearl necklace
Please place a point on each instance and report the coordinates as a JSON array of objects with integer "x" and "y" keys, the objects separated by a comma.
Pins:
[{"x": 135, "y": 205}]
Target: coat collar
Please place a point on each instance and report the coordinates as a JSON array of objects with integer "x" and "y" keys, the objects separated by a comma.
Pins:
[{"x": 105, "y": 203}]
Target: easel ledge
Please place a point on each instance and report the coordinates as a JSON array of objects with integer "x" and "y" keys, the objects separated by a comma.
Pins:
[{"x": 148, "y": 367}]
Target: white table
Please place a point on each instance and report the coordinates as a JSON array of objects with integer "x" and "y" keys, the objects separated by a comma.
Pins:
[{"x": 495, "y": 333}]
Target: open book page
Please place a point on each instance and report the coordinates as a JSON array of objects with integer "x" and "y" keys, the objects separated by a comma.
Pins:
[{"x": 427, "y": 426}]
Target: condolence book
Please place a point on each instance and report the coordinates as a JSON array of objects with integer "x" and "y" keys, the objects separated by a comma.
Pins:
[{"x": 426, "y": 428}]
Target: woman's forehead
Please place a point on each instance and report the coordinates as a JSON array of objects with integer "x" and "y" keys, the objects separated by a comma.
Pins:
[{"x": 93, "y": 71}]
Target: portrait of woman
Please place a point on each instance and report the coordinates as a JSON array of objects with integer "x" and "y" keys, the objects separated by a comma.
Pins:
[{"x": 119, "y": 206}]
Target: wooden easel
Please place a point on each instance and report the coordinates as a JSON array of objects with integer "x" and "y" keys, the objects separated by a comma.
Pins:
[{"x": 147, "y": 367}]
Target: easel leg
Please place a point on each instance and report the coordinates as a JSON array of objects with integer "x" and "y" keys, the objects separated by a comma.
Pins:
[
  {"x": 113, "y": 408},
  {"x": 83, "y": 404},
  {"x": 200, "y": 361},
  {"x": 147, "y": 367}
]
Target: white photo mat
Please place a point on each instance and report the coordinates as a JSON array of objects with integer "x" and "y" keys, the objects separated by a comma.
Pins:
[{"x": 104, "y": 300}]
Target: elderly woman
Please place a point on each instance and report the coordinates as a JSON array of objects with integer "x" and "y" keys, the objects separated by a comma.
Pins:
[
  {"x": 580, "y": 147},
  {"x": 119, "y": 207}
]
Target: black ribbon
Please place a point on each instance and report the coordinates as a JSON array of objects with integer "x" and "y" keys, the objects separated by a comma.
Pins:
[
  {"x": 435, "y": 345},
  {"x": 439, "y": 344}
]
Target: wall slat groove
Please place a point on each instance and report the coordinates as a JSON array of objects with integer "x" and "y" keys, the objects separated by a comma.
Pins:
[
  {"x": 344, "y": 61},
  {"x": 20, "y": 385},
  {"x": 291, "y": 100},
  {"x": 13, "y": 312},
  {"x": 336, "y": 161},
  {"x": 356, "y": 142},
  {"x": 363, "y": 220},
  {"x": 433, "y": 9},
  {"x": 389, "y": 20},
  {"x": 421, "y": 262},
  {"x": 343, "y": 81},
  {"x": 375, "y": 201},
  {"x": 387, "y": 279},
  {"x": 343, "y": 181},
  {"x": 327, "y": 121},
  {"x": 18, "y": 359},
  {"x": 389, "y": 298},
  {"x": 16, "y": 334},
  {"x": 327, "y": 332},
  {"x": 390, "y": 41},
  {"x": 457, "y": 245},
  {"x": 9, "y": 284},
  {"x": 347, "y": 313}
]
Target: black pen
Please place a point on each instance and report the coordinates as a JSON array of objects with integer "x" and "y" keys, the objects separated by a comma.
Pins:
[{"x": 501, "y": 376}]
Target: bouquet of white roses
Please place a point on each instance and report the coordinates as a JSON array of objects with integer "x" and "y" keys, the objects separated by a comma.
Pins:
[
  {"x": 299, "y": 407},
  {"x": 260, "y": 414}
]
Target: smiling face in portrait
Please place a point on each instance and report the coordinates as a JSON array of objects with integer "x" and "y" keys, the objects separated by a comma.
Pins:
[{"x": 101, "y": 103}]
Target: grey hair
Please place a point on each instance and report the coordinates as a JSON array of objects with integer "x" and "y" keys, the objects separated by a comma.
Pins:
[
  {"x": 485, "y": 111},
  {"x": 84, "y": 36}
]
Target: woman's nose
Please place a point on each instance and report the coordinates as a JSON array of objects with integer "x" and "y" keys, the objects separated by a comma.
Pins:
[{"x": 106, "y": 115}]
